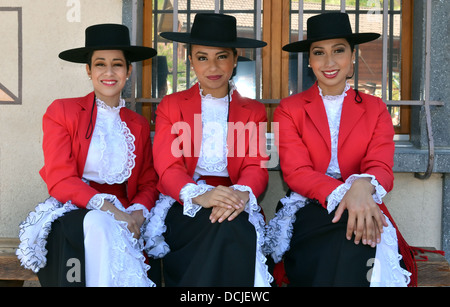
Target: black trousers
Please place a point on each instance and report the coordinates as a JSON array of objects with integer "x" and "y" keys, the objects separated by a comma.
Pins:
[{"x": 205, "y": 254}]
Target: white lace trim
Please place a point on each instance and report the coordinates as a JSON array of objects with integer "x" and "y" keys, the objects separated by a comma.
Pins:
[
  {"x": 34, "y": 232},
  {"x": 386, "y": 270},
  {"x": 333, "y": 108},
  {"x": 190, "y": 191},
  {"x": 336, "y": 196},
  {"x": 214, "y": 149},
  {"x": 125, "y": 256},
  {"x": 209, "y": 96},
  {"x": 262, "y": 275},
  {"x": 35, "y": 229},
  {"x": 158, "y": 248},
  {"x": 111, "y": 157},
  {"x": 279, "y": 229}
]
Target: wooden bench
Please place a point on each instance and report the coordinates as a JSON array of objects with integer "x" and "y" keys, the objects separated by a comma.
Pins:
[
  {"x": 433, "y": 268},
  {"x": 12, "y": 274}
]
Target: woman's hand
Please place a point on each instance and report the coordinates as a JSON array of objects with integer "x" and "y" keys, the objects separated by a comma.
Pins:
[
  {"x": 221, "y": 214},
  {"x": 365, "y": 219},
  {"x": 225, "y": 201},
  {"x": 134, "y": 220},
  {"x": 220, "y": 196}
]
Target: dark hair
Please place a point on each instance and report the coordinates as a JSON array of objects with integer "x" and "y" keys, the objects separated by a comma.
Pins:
[{"x": 91, "y": 53}]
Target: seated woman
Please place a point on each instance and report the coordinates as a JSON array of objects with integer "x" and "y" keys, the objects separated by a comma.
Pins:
[
  {"x": 207, "y": 224},
  {"x": 336, "y": 152},
  {"x": 99, "y": 173}
]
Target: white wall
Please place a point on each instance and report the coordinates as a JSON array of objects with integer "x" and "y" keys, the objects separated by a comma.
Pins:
[{"x": 49, "y": 27}]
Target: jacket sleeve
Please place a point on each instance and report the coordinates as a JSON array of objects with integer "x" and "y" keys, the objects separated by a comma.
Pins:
[
  {"x": 299, "y": 172},
  {"x": 379, "y": 158},
  {"x": 60, "y": 171},
  {"x": 167, "y": 149},
  {"x": 253, "y": 170}
]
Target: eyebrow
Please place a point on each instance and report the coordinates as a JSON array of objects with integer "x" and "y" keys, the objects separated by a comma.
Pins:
[
  {"x": 103, "y": 59},
  {"x": 334, "y": 46},
  {"x": 205, "y": 53}
]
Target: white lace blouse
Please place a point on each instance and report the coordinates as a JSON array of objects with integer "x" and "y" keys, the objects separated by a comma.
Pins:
[{"x": 111, "y": 157}]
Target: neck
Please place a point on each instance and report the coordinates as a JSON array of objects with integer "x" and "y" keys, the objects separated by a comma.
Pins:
[
  {"x": 112, "y": 101},
  {"x": 332, "y": 90},
  {"x": 216, "y": 93}
]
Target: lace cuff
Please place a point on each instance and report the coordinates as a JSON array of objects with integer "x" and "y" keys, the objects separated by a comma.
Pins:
[
  {"x": 97, "y": 201},
  {"x": 190, "y": 191},
  {"x": 136, "y": 207},
  {"x": 336, "y": 196}
]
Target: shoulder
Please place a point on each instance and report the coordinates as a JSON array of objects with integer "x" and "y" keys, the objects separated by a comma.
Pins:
[
  {"x": 72, "y": 104},
  {"x": 302, "y": 98},
  {"x": 370, "y": 102}
]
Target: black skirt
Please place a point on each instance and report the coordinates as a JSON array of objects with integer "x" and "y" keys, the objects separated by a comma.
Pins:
[
  {"x": 205, "y": 254},
  {"x": 321, "y": 255}
]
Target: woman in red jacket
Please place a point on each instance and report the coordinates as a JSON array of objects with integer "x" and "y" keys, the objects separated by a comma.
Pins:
[
  {"x": 336, "y": 153},
  {"x": 99, "y": 173},
  {"x": 207, "y": 223}
]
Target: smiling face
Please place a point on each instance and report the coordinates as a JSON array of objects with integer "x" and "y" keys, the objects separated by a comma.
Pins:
[
  {"x": 109, "y": 72},
  {"x": 213, "y": 67},
  {"x": 332, "y": 62}
]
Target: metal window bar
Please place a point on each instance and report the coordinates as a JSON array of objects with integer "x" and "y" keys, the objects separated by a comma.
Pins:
[{"x": 425, "y": 102}]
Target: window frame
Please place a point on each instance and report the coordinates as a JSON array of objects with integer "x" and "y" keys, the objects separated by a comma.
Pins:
[{"x": 276, "y": 31}]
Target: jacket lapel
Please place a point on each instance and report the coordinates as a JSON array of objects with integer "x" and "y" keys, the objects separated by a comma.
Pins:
[
  {"x": 316, "y": 111},
  {"x": 84, "y": 120},
  {"x": 191, "y": 109},
  {"x": 238, "y": 117},
  {"x": 351, "y": 114}
]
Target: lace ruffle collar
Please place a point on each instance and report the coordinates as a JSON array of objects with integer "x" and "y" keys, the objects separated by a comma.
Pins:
[
  {"x": 210, "y": 97},
  {"x": 102, "y": 105},
  {"x": 335, "y": 97}
]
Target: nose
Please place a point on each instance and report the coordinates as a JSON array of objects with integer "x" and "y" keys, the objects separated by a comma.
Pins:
[
  {"x": 329, "y": 61},
  {"x": 109, "y": 70},
  {"x": 213, "y": 65}
]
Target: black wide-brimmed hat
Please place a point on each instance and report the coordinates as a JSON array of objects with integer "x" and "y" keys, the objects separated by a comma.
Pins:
[
  {"x": 217, "y": 30},
  {"x": 107, "y": 37},
  {"x": 329, "y": 26}
]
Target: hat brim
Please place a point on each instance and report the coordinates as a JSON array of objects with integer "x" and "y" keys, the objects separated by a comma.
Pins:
[
  {"x": 239, "y": 42},
  {"x": 304, "y": 45},
  {"x": 133, "y": 53}
]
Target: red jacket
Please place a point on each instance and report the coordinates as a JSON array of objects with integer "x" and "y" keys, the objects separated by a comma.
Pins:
[
  {"x": 177, "y": 146},
  {"x": 65, "y": 151},
  {"x": 365, "y": 142}
]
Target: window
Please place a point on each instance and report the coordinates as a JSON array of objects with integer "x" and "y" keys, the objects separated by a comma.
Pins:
[
  {"x": 172, "y": 68},
  {"x": 365, "y": 16},
  {"x": 383, "y": 67}
]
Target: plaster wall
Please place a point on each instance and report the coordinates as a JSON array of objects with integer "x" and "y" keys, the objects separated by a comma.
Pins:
[{"x": 48, "y": 27}]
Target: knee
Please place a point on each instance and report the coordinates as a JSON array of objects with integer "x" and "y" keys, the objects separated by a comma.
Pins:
[{"x": 97, "y": 223}]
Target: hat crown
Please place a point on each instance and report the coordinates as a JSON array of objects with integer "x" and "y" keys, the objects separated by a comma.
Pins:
[
  {"x": 214, "y": 27},
  {"x": 107, "y": 35},
  {"x": 328, "y": 25}
]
